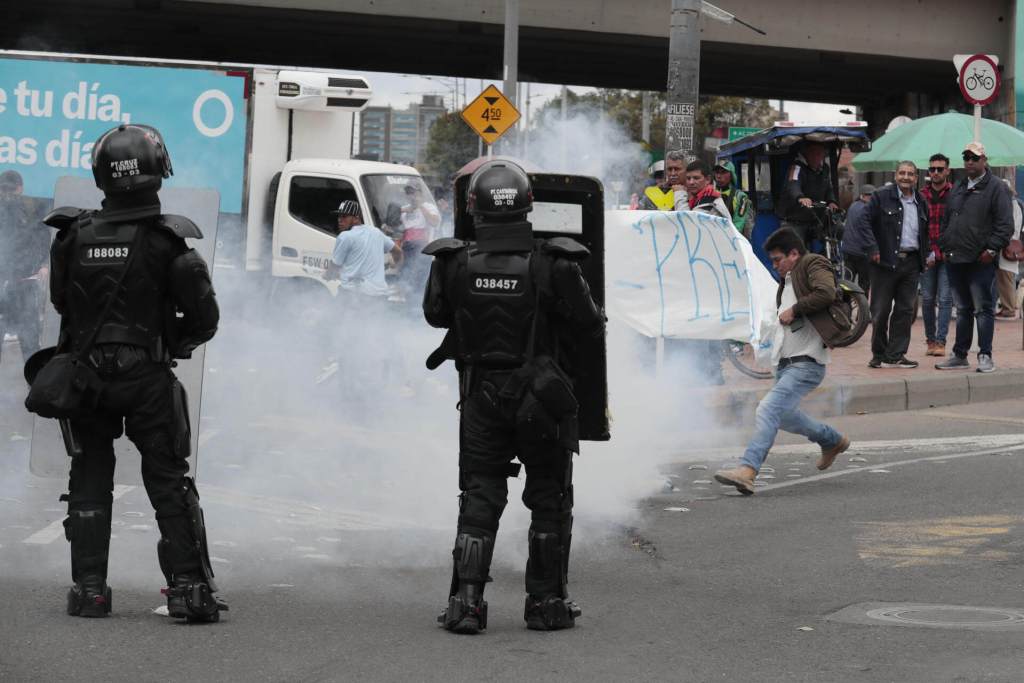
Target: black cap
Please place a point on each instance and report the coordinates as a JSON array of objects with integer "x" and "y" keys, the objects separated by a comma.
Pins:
[{"x": 348, "y": 208}]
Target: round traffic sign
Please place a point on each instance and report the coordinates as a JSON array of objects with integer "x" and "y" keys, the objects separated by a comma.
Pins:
[{"x": 979, "y": 79}]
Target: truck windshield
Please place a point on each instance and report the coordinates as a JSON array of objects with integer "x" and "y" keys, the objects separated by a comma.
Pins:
[{"x": 389, "y": 193}]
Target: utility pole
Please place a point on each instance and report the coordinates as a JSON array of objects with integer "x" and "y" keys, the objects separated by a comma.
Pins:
[
  {"x": 511, "y": 74},
  {"x": 645, "y": 118},
  {"x": 564, "y": 145},
  {"x": 526, "y": 131},
  {"x": 683, "y": 77}
]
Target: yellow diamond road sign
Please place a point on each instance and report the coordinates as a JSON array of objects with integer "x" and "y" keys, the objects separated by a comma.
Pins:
[{"x": 490, "y": 114}]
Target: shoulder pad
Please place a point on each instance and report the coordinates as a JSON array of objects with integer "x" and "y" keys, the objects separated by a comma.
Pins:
[
  {"x": 445, "y": 245},
  {"x": 63, "y": 217},
  {"x": 566, "y": 246},
  {"x": 179, "y": 225}
]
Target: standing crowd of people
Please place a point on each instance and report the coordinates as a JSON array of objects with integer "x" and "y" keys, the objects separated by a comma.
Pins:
[
  {"x": 942, "y": 243},
  {"x": 946, "y": 243}
]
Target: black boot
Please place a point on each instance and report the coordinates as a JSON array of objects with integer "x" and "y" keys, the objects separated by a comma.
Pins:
[
  {"x": 467, "y": 609},
  {"x": 189, "y": 597},
  {"x": 550, "y": 613},
  {"x": 185, "y": 562},
  {"x": 89, "y": 597},
  {"x": 88, "y": 530},
  {"x": 548, "y": 607}
]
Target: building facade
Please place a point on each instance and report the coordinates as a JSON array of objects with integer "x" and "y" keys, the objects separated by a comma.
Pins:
[{"x": 399, "y": 135}]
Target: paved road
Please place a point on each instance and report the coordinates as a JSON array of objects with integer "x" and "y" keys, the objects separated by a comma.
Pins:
[{"x": 693, "y": 584}]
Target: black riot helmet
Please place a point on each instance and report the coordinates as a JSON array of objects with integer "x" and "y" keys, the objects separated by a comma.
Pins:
[
  {"x": 130, "y": 158},
  {"x": 499, "y": 190}
]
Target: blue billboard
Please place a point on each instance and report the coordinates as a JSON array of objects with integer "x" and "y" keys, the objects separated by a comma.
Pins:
[{"x": 51, "y": 113}]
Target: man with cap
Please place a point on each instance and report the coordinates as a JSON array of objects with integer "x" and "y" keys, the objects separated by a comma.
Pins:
[
  {"x": 854, "y": 243},
  {"x": 24, "y": 255},
  {"x": 358, "y": 258},
  {"x": 976, "y": 227},
  {"x": 736, "y": 200}
]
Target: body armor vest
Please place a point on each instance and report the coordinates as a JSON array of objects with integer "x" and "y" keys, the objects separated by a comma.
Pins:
[
  {"x": 100, "y": 254},
  {"x": 496, "y": 305}
]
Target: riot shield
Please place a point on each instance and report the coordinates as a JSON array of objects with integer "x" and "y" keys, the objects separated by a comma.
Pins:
[
  {"x": 572, "y": 206},
  {"x": 201, "y": 205}
]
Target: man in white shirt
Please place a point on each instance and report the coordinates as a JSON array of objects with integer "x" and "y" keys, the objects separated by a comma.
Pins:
[
  {"x": 359, "y": 251},
  {"x": 799, "y": 356}
]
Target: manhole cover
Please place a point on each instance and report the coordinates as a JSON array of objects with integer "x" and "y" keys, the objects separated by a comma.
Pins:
[{"x": 933, "y": 616}]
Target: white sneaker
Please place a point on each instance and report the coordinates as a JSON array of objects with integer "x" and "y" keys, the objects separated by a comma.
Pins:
[{"x": 985, "y": 363}]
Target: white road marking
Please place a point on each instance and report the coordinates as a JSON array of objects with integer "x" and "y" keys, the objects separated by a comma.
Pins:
[
  {"x": 299, "y": 513},
  {"x": 55, "y": 529},
  {"x": 898, "y": 463},
  {"x": 934, "y": 443}
]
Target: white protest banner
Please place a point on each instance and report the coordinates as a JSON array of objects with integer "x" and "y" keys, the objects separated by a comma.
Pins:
[{"x": 685, "y": 275}]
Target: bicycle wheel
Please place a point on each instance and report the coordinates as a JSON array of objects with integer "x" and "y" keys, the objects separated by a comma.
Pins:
[
  {"x": 860, "y": 313},
  {"x": 988, "y": 83},
  {"x": 743, "y": 359},
  {"x": 971, "y": 82}
]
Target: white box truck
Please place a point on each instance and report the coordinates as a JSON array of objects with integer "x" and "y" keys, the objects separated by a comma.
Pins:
[{"x": 275, "y": 144}]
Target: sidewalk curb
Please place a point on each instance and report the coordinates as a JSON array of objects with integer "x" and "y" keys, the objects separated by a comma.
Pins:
[{"x": 865, "y": 396}]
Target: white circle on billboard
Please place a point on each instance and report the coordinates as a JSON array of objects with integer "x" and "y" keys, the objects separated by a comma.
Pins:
[{"x": 197, "y": 113}]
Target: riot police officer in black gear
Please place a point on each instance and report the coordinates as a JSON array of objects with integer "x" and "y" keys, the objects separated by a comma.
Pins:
[
  {"x": 512, "y": 305},
  {"x": 163, "y": 309}
]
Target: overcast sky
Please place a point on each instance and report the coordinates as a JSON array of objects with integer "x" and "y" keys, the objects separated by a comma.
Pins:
[{"x": 399, "y": 90}]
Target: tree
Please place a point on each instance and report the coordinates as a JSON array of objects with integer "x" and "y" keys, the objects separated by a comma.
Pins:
[{"x": 452, "y": 143}]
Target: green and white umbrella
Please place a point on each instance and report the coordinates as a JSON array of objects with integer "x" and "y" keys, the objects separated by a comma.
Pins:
[{"x": 945, "y": 133}]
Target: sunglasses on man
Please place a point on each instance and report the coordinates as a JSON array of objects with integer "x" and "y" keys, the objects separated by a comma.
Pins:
[
  {"x": 936, "y": 169},
  {"x": 971, "y": 157}
]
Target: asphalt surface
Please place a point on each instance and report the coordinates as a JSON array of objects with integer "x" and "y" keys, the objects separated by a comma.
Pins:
[{"x": 689, "y": 582}]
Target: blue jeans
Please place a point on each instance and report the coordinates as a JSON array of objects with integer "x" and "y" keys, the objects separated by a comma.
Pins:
[
  {"x": 935, "y": 290},
  {"x": 974, "y": 287},
  {"x": 780, "y": 409}
]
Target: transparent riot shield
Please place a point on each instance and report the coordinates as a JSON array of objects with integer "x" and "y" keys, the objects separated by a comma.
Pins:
[
  {"x": 568, "y": 206},
  {"x": 202, "y": 206}
]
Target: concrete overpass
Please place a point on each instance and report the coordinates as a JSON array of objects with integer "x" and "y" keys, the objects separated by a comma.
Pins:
[{"x": 887, "y": 57}]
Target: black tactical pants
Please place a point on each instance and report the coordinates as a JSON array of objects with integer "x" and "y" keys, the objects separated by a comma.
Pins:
[
  {"x": 489, "y": 441},
  {"x": 140, "y": 402}
]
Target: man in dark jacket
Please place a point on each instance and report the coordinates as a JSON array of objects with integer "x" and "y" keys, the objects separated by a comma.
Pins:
[
  {"x": 977, "y": 225},
  {"x": 895, "y": 231},
  {"x": 853, "y": 241},
  {"x": 807, "y": 181},
  {"x": 935, "y": 291}
]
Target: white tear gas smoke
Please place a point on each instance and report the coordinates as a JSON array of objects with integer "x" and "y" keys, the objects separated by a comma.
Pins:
[
  {"x": 653, "y": 416},
  {"x": 325, "y": 441},
  {"x": 589, "y": 143}
]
